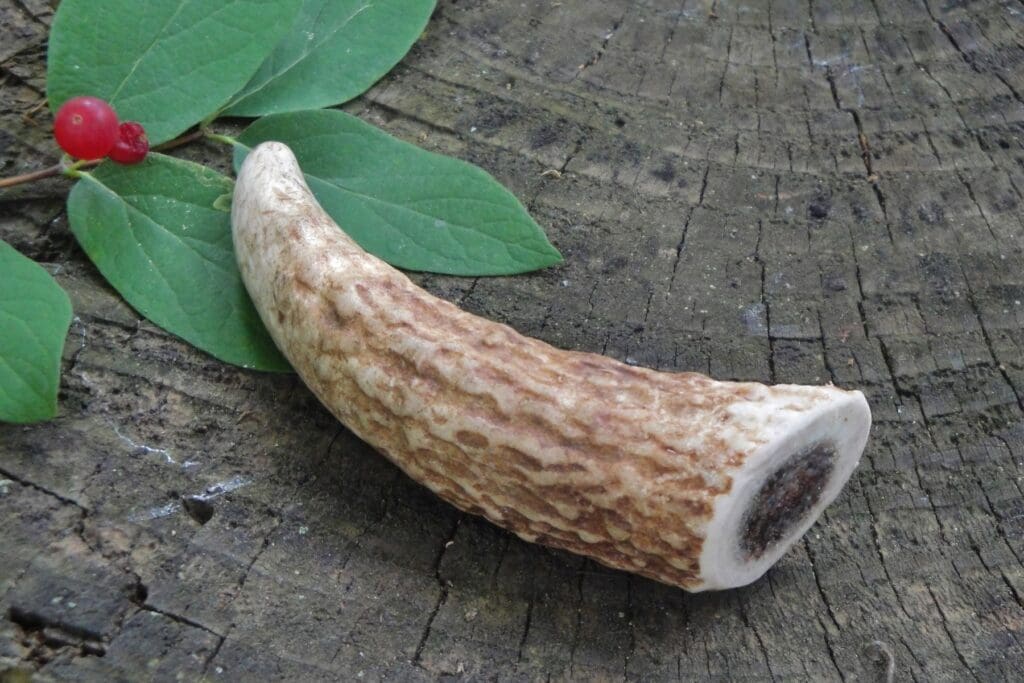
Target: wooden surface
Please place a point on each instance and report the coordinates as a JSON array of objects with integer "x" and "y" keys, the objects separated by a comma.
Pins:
[{"x": 790, "y": 191}]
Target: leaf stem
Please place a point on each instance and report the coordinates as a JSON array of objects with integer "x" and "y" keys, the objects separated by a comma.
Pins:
[
  {"x": 72, "y": 170},
  {"x": 226, "y": 139},
  {"x": 47, "y": 172},
  {"x": 179, "y": 141}
]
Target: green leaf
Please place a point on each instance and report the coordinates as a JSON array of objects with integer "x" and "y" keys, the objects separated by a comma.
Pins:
[
  {"x": 164, "y": 63},
  {"x": 34, "y": 315},
  {"x": 412, "y": 208},
  {"x": 335, "y": 50},
  {"x": 155, "y": 234}
]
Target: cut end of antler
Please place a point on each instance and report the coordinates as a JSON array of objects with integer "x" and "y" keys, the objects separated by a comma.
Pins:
[{"x": 782, "y": 488}]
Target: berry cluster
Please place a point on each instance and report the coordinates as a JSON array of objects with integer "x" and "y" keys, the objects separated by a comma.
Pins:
[{"x": 87, "y": 128}]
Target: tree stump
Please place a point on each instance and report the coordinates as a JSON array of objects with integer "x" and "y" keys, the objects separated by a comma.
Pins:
[{"x": 781, "y": 190}]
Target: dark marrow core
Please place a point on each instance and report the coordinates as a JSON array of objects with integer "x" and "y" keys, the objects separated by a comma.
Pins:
[{"x": 786, "y": 497}]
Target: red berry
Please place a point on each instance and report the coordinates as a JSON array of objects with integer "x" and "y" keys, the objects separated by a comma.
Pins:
[
  {"x": 132, "y": 144},
  {"x": 85, "y": 127}
]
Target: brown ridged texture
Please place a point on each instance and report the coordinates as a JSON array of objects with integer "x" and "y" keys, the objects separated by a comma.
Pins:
[{"x": 573, "y": 450}]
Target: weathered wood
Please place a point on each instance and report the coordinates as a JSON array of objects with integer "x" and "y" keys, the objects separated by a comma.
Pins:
[{"x": 779, "y": 191}]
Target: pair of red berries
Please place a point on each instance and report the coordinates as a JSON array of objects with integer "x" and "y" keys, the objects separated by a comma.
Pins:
[{"x": 87, "y": 128}]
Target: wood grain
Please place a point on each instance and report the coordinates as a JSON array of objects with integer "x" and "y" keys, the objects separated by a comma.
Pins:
[{"x": 786, "y": 191}]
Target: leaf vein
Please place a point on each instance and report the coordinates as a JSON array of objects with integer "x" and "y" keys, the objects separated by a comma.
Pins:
[
  {"x": 304, "y": 55},
  {"x": 157, "y": 36}
]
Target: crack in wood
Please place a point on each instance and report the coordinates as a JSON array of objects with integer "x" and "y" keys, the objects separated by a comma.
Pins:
[
  {"x": 757, "y": 637},
  {"x": 442, "y": 597},
  {"x": 943, "y": 619},
  {"x": 830, "y": 649},
  {"x": 989, "y": 345},
  {"x": 8, "y": 474},
  {"x": 213, "y": 654},
  {"x": 579, "y": 618},
  {"x": 725, "y": 67},
  {"x": 822, "y": 593},
  {"x": 526, "y": 631},
  {"x": 180, "y": 619},
  {"x": 604, "y": 44}
]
